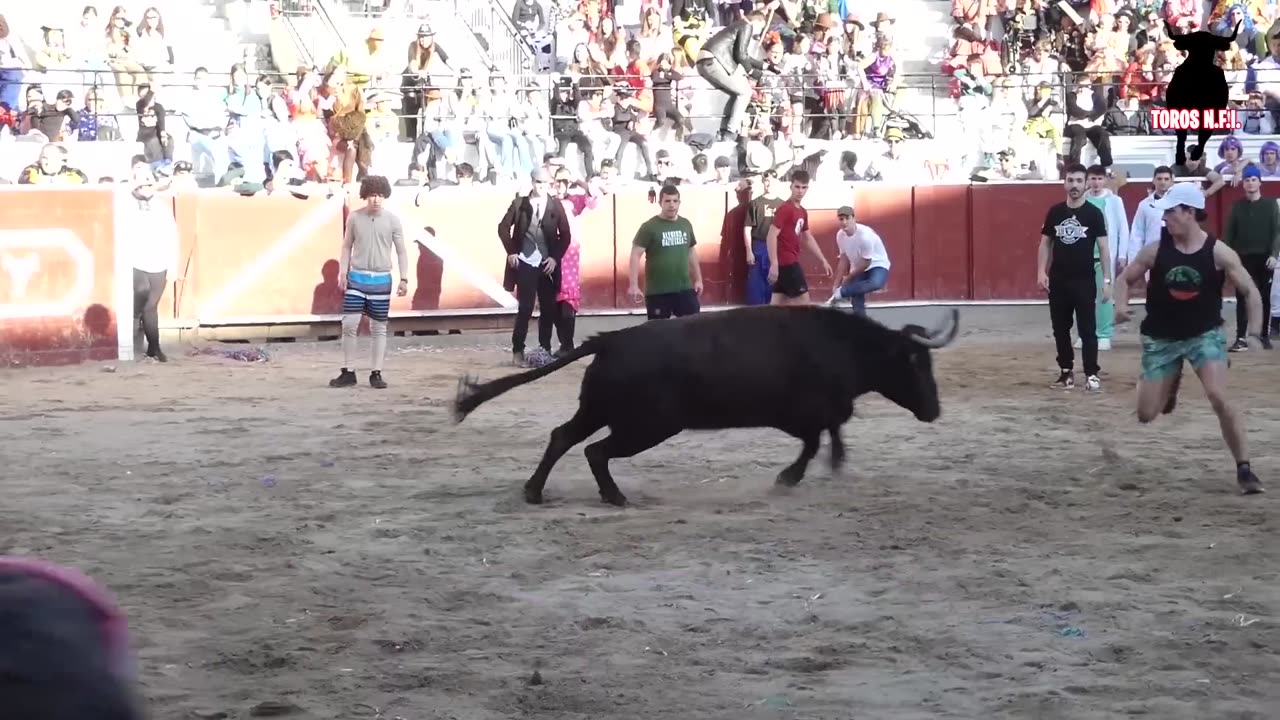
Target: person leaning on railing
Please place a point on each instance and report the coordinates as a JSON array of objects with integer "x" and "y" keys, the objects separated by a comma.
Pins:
[
  {"x": 565, "y": 127},
  {"x": 425, "y": 74}
]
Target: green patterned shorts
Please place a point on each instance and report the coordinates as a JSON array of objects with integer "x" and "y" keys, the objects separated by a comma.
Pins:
[{"x": 1163, "y": 358}]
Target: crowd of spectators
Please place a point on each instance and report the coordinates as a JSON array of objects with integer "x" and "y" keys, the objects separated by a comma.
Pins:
[
  {"x": 1032, "y": 83},
  {"x": 1071, "y": 74}
]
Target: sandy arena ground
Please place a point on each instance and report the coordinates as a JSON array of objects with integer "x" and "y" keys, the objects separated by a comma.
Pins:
[{"x": 1034, "y": 554}]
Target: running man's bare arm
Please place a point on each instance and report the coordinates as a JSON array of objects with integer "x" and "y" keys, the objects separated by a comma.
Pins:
[
  {"x": 1132, "y": 273},
  {"x": 771, "y": 242},
  {"x": 1229, "y": 262}
]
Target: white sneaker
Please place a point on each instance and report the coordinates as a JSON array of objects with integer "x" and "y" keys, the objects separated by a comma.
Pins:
[
  {"x": 835, "y": 299},
  {"x": 1092, "y": 383},
  {"x": 1103, "y": 344}
]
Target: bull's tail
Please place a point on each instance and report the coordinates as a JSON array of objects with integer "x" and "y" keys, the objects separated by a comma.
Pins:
[{"x": 472, "y": 395}]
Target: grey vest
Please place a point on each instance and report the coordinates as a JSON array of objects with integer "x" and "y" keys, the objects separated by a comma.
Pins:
[{"x": 533, "y": 237}]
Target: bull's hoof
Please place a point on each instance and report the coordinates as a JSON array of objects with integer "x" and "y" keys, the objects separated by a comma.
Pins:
[
  {"x": 789, "y": 478},
  {"x": 532, "y": 496},
  {"x": 615, "y": 499}
]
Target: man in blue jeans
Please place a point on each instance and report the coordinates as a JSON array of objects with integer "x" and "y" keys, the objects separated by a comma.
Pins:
[{"x": 864, "y": 263}]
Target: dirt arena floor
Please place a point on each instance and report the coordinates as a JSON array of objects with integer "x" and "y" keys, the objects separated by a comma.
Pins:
[{"x": 285, "y": 548}]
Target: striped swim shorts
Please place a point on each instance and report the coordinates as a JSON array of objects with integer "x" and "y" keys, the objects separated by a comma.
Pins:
[{"x": 368, "y": 293}]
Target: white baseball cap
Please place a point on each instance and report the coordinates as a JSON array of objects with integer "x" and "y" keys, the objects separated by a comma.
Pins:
[{"x": 1182, "y": 193}]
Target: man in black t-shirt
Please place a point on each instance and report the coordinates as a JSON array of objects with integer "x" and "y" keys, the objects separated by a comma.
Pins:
[
  {"x": 1065, "y": 270},
  {"x": 756, "y": 226}
]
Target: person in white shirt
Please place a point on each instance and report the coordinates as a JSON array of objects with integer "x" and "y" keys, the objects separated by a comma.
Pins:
[
  {"x": 1148, "y": 219},
  {"x": 155, "y": 252},
  {"x": 864, "y": 264},
  {"x": 1105, "y": 199}
]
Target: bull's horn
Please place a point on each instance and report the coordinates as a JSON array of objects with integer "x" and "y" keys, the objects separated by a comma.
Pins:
[
  {"x": 1235, "y": 32},
  {"x": 944, "y": 334},
  {"x": 1168, "y": 29}
]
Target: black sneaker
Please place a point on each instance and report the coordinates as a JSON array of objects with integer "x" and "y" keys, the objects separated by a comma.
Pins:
[
  {"x": 1266, "y": 342},
  {"x": 375, "y": 380},
  {"x": 158, "y": 356},
  {"x": 1066, "y": 380},
  {"x": 1238, "y": 346},
  {"x": 1249, "y": 483},
  {"x": 346, "y": 378}
]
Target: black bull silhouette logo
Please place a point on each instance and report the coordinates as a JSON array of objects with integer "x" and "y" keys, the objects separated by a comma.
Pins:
[{"x": 1198, "y": 83}]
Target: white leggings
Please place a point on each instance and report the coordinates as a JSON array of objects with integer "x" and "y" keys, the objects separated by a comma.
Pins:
[{"x": 377, "y": 328}]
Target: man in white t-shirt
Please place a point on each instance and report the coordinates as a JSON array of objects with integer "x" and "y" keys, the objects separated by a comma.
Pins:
[{"x": 864, "y": 263}]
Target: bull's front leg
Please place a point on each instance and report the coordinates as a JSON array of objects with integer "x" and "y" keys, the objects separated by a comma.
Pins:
[
  {"x": 794, "y": 473},
  {"x": 837, "y": 449}
]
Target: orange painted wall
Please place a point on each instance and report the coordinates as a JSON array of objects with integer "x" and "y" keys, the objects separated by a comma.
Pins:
[{"x": 86, "y": 330}]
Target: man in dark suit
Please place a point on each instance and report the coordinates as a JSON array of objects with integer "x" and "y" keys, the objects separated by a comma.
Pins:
[{"x": 535, "y": 234}]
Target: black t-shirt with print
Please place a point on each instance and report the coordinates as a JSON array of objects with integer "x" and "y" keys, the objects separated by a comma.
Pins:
[
  {"x": 1073, "y": 233},
  {"x": 760, "y": 217}
]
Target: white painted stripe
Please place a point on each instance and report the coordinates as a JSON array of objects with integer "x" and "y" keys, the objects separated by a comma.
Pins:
[
  {"x": 269, "y": 259},
  {"x": 453, "y": 263}
]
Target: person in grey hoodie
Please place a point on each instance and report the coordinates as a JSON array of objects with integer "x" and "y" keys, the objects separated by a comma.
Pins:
[{"x": 1100, "y": 193}]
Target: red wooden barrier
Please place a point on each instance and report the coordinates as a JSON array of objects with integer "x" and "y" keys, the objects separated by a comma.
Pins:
[{"x": 274, "y": 259}]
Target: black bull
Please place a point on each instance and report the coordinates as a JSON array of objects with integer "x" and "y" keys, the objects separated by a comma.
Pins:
[{"x": 794, "y": 369}]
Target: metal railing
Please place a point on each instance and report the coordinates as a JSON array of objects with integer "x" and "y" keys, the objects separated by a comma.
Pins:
[
  {"x": 927, "y": 108},
  {"x": 316, "y": 36},
  {"x": 508, "y": 51}
]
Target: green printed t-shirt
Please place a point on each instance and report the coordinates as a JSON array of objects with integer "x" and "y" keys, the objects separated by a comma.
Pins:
[{"x": 667, "y": 244}]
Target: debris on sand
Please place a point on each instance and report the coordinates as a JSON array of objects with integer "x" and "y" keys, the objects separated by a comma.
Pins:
[
  {"x": 254, "y": 354},
  {"x": 534, "y": 679},
  {"x": 773, "y": 701}
]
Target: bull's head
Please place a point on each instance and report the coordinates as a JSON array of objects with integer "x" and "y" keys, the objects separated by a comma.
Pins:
[
  {"x": 907, "y": 377},
  {"x": 1202, "y": 44}
]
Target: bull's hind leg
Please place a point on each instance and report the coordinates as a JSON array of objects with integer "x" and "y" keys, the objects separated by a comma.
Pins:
[
  {"x": 1180, "y": 151},
  {"x": 580, "y": 427},
  {"x": 621, "y": 444},
  {"x": 1204, "y": 136},
  {"x": 792, "y": 474}
]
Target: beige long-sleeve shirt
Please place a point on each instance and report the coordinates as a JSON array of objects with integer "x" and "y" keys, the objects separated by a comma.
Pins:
[{"x": 369, "y": 241}]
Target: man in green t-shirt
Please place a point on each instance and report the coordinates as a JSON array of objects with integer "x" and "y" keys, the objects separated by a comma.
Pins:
[{"x": 672, "y": 276}]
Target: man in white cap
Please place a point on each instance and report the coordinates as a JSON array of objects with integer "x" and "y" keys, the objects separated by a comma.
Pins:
[{"x": 1184, "y": 318}]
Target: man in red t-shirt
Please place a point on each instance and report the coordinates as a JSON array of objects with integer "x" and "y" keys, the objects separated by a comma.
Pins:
[{"x": 790, "y": 226}]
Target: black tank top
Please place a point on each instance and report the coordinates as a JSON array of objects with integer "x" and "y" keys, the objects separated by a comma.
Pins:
[{"x": 1184, "y": 295}]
